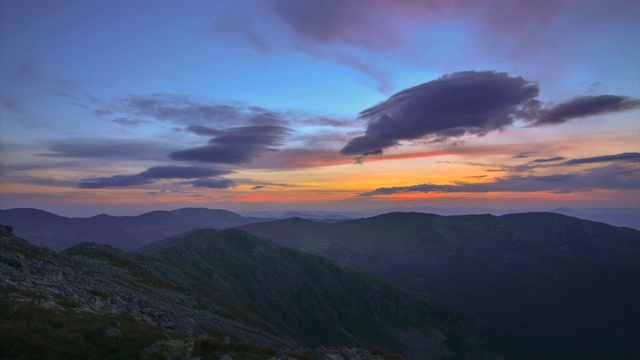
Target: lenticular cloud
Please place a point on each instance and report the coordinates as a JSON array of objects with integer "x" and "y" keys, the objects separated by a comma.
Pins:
[{"x": 469, "y": 103}]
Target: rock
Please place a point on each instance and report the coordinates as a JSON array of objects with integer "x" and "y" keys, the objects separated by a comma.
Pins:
[
  {"x": 226, "y": 357},
  {"x": 113, "y": 333},
  {"x": 170, "y": 349},
  {"x": 320, "y": 353}
]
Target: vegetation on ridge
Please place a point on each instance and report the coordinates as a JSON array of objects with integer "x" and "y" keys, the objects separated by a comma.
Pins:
[{"x": 236, "y": 286}]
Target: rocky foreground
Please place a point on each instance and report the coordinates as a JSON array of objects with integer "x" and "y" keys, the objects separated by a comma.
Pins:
[
  {"x": 36, "y": 276},
  {"x": 194, "y": 318}
]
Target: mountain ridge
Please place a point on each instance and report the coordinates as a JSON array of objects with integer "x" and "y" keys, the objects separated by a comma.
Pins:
[
  {"x": 123, "y": 232},
  {"x": 238, "y": 286},
  {"x": 513, "y": 271}
]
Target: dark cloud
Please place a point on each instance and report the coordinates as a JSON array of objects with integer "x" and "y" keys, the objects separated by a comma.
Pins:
[
  {"x": 258, "y": 187},
  {"x": 151, "y": 175},
  {"x": 213, "y": 183},
  {"x": 114, "y": 181},
  {"x": 584, "y": 106},
  {"x": 624, "y": 157},
  {"x": 468, "y": 103},
  {"x": 552, "y": 159},
  {"x": 234, "y": 145},
  {"x": 464, "y": 103},
  {"x": 107, "y": 149},
  {"x": 182, "y": 172},
  {"x": 607, "y": 177}
]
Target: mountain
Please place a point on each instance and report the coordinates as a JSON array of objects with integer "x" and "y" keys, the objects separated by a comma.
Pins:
[
  {"x": 567, "y": 287},
  {"x": 226, "y": 290},
  {"x": 627, "y": 217},
  {"x": 123, "y": 232}
]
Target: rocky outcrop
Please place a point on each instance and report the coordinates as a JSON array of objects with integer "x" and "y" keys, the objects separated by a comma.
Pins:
[{"x": 99, "y": 279}]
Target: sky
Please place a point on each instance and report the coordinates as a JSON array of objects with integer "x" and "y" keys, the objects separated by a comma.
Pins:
[{"x": 122, "y": 107}]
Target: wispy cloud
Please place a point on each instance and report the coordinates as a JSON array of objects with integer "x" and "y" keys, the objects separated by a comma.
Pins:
[
  {"x": 181, "y": 109},
  {"x": 607, "y": 177},
  {"x": 583, "y": 106},
  {"x": 150, "y": 175},
  {"x": 624, "y": 157},
  {"x": 523, "y": 155},
  {"x": 547, "y": 160},
  {"x": 620, "y": 171},
  {"x": 234, "y": 145},
  {"x": 105, "y": 148},
  {"x": 369, "y": 37},
  {"x": 212, "y": 183}
]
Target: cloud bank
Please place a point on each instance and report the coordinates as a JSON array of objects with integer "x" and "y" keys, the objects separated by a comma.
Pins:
[{"x": 618, "y": 171}]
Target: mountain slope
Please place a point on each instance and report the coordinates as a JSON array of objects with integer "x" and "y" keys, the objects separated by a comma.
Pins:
[
  {"x": 236, "y": 285},
  {"x": 317, "y": 301},
  {"x": 123, "y": 232},
  {"x": 556, "y": 281}
]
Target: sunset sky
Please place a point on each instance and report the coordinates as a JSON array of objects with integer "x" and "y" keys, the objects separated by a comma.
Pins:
[{"x": 129, "y": 106}]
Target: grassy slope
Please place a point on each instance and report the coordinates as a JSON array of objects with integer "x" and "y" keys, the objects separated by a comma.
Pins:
[{"x": 310, "y": 297}]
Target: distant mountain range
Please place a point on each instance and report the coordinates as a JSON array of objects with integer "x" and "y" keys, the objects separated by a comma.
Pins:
[
  {"x": 627, "y": 217},
  {"x": 123, "y": 232},
  {"x": 130, "y": 232},
  {"x": 227, "y": 290},
  {"x": 565, "y": 283}
]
